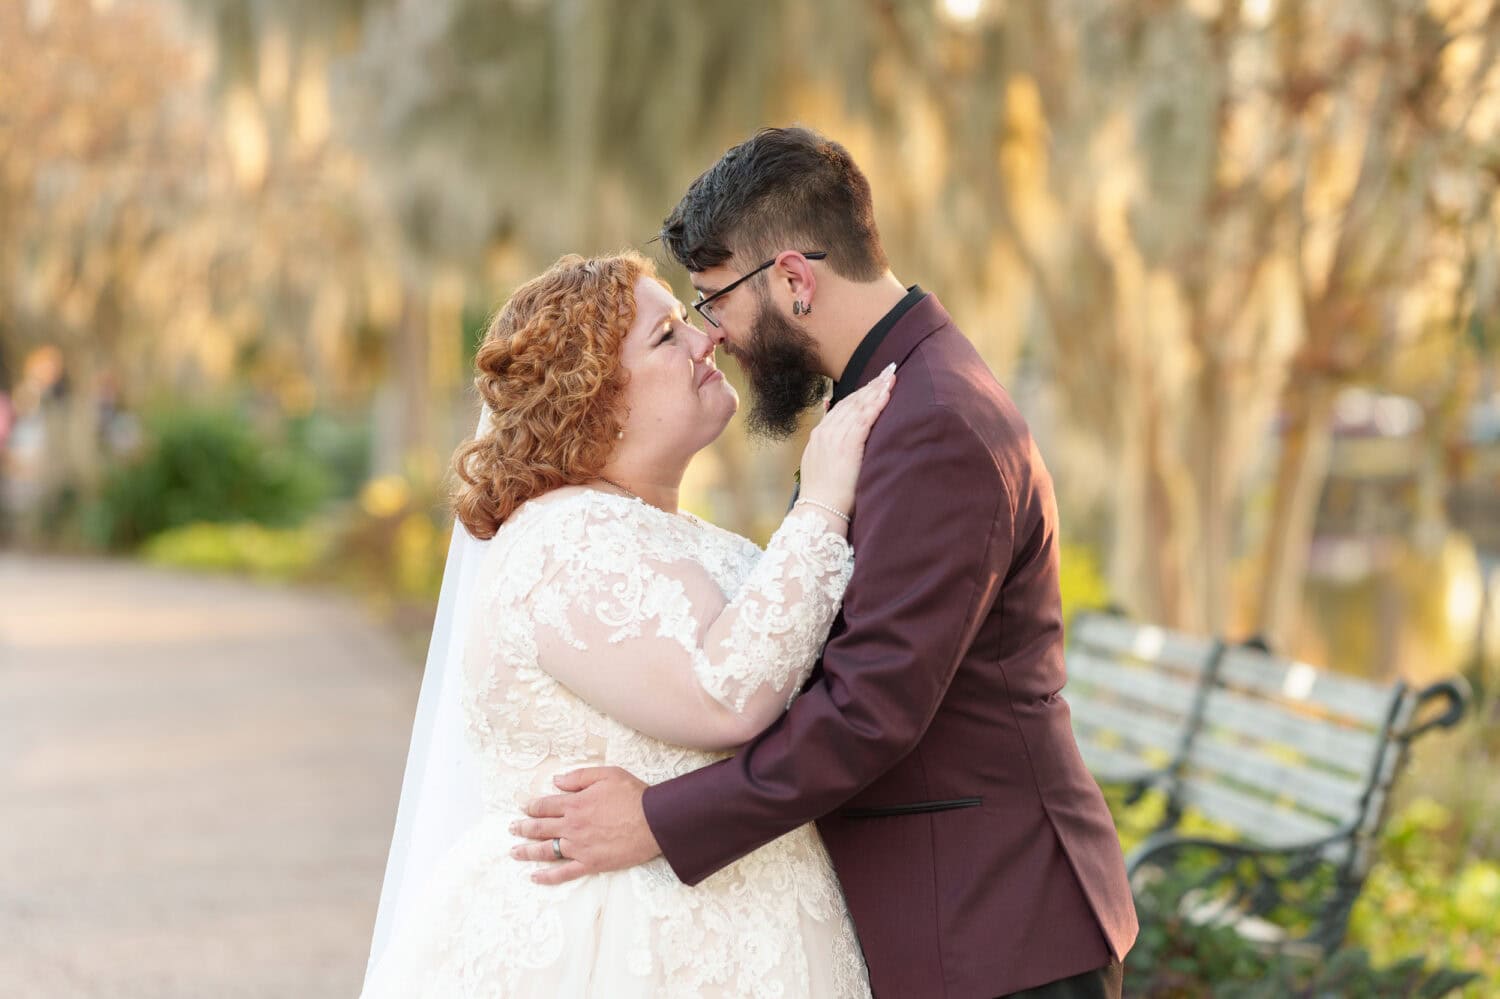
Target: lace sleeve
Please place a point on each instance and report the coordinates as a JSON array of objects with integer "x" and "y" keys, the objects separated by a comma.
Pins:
[{"x": 648, "y": 638}]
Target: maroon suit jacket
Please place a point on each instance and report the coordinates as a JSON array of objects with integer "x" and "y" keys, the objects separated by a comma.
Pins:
[{"x": 932, "y": 742}]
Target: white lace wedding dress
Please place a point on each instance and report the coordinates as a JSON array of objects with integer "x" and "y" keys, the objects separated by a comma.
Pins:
[{"x": 610, "y": 632}]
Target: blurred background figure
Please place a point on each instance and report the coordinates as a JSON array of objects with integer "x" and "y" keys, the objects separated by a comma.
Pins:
[
  {"x": 37, "y": 420},
  {"x": 1237, "y": 260}
]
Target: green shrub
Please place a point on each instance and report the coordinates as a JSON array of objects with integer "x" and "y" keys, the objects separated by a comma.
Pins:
[
  {"x": 341, "y": 447},
  {"x": 203, "y": 466},
  {"x": 1428, "y": 894},
  {"x": 1081, "y": 580},
  {"x": 1177, "y": 957},
  {"x": 263, "y": 552},
  {"x": 393, "y": 541}
]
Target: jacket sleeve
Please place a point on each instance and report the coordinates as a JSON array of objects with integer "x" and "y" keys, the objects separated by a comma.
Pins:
[{"x": 933, "y": 528}]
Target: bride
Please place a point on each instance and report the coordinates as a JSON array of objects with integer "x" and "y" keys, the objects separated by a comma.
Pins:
[{"x": 586, "y": 621}]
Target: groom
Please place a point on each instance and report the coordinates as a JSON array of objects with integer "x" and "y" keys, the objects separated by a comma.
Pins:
[{"x": 932, "y": 743}]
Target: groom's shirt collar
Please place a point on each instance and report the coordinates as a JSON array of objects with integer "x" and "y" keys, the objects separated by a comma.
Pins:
[{"x": 849, "y": 380}]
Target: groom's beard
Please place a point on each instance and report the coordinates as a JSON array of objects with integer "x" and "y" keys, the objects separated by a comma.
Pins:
[{"x": 782, "y": 364}]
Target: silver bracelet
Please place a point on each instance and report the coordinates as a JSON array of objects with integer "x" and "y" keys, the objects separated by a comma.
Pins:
[{"x": 841, "y": 515}]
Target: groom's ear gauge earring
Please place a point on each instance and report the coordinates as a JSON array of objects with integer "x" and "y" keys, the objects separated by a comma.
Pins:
[{"x": 798, "y": 309}]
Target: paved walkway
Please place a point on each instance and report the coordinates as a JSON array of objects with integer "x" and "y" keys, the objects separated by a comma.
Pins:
[{"x": 198, "y": 777}]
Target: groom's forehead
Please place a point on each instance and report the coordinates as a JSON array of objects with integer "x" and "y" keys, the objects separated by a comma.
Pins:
[{"x": 708, "y": 281}]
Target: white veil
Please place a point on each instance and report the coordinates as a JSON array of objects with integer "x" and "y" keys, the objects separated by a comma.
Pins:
[{"x": 440, "y": 794}]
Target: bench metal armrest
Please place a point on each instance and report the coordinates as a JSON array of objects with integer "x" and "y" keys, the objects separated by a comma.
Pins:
[
  {"x": 1245, "y": 885},
  {"x": 1134, "y": 787},
  {"x": 1137, "y": 789},
  {"x": 1455, "y": 691}
]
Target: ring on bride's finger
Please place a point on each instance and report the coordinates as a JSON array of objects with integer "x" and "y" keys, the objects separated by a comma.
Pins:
[{"x": 557, "y": 848}]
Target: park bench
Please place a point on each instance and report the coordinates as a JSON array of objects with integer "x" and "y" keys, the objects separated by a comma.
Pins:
[{"x": 1290, "y": 766}]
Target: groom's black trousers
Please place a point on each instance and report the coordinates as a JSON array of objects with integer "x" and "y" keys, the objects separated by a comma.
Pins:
[{"x": 1101, "y": 983}]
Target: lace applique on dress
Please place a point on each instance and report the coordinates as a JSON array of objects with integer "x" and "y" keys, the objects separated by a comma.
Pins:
[{"x": 603, "y": 626}]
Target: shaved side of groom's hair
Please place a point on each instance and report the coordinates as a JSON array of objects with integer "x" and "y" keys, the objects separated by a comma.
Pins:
[{"x": 781, "y": 189}]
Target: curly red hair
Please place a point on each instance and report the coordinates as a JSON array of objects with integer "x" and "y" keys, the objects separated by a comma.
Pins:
[{"x": 550, "y": 374}]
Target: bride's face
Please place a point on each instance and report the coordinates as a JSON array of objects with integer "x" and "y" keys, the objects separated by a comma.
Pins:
[{"x": 676, "y": 395}]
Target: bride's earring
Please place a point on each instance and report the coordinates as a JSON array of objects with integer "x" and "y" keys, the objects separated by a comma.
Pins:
[{"x": 619, "y": 435}]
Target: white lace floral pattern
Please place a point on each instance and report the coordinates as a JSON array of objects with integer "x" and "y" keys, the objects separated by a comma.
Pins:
[{"x": 609, "y": 632}]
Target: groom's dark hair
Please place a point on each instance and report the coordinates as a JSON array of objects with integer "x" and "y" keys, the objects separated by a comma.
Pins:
[{"x": 781, "y": 189}]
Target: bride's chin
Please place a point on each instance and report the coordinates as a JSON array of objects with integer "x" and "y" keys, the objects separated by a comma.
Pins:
[
  {"x": 731, "y": 397},
  {"x": 733, "y": 407}
]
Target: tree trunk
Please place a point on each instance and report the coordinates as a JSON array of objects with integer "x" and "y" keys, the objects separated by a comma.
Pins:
[
  {"x": 1301, "y": 470},
  {"x": 1213, "y": 497},
  {"x": 401, "y": 406},
  {"x": 1145, "y": 567}
]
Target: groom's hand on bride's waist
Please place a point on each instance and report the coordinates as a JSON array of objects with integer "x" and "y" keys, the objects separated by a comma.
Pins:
[{"x": 599, "y": 825}]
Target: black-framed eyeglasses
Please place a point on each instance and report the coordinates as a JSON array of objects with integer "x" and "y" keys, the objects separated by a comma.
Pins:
[{"x": 703, "y": 305}]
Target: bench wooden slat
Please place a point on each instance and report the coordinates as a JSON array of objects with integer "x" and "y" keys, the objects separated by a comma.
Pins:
[
  {"x": 1255, "y": 819},
  {"x": 1338, "y": 797},
  {"x": 1157, "y": 688},
  {"x": 1118, "y": 637},
  {"x": 1114, "y": 764},
  {"x": 1282, "y": 679},
  {"x": 1136, "y": 727},
  {"x": 1348, "y": 750}
]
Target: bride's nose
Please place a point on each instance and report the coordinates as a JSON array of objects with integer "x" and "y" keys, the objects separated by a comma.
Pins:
[{"x": 703, "y": 347}]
